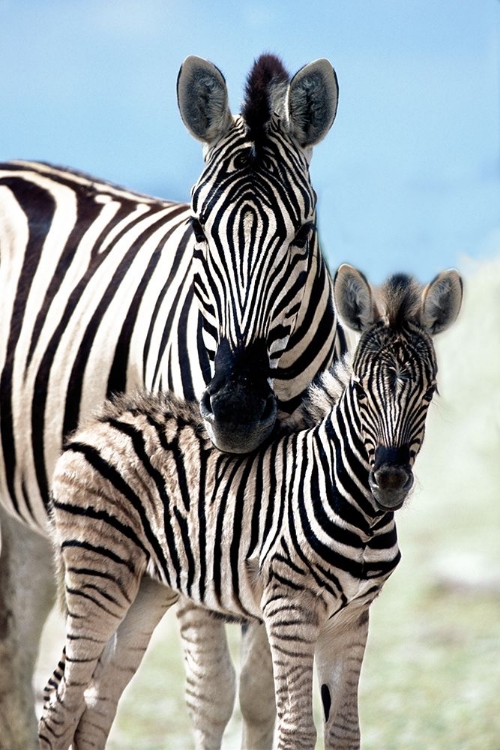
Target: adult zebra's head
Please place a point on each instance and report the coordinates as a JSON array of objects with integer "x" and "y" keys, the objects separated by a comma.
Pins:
[
  {"x": 253, "y": 219},
  {"x": 394, "y": 368}
]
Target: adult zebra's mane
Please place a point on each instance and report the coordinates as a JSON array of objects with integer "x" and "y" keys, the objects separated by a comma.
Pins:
[{"x": 264, "y": 93}]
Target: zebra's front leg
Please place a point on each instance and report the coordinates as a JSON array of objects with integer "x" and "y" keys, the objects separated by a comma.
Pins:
[
  {"x": 339, "y": 656},
  {"x": 210, "y": 678},
  {"x": 256, "y": 693},
  {"x": 120, "y": 660},
  {"x": 292, "y": 624}
]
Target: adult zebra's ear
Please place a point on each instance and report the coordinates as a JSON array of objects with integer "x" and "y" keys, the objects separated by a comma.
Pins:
[
  {"x": 353, "y": 298},
  {"x": 203, "y": 100},
  {"x": 441, "y": 301},
  {"x": 311, "y": 102}
]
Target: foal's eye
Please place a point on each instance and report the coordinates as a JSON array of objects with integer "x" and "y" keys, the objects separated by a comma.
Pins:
[
  {"x": 304, "y": 234},
  {"x": 430, "y": 392},
  {"x": 197, "y": 229}
]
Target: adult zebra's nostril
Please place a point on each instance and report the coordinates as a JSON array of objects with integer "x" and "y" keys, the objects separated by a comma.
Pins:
[
  {"x": 206, "y": 409},
  {"x": 269, "y": 411}
]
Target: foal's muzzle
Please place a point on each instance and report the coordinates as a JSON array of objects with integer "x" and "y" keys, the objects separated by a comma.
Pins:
[{"x": 391, "y": 478}]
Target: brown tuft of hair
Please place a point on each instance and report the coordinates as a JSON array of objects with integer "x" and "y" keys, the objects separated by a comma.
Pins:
[{"x": 400, "y": 299}]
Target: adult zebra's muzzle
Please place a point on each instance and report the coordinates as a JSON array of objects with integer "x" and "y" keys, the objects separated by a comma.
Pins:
[
  {"x": 391, "y": 477},
  {"x": 239, "y": 406}
]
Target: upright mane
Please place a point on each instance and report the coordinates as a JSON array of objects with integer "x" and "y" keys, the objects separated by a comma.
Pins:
[
  {"x": 265, "y": 86},
  {"x": 400, "y": 300}
]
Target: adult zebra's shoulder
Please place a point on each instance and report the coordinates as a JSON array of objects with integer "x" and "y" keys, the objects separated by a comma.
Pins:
[
  {"x": 228, "y": 300},
  {"x": 302, "y": 532}
]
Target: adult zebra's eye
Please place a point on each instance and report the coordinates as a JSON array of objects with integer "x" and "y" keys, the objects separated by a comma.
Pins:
[
  {"x": 198, "y": 231},
  {"x": 240, "y": 161},
  {"x": 358, "y": 386},
  {"x": 304, "y": 234}
]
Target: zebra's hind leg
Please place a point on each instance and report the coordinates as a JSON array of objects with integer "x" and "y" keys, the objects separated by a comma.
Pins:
[
  {"x": 99, "y": 590},
  {"x": 120, "y": 660},
  {"x": 210, "y": 679},
  {"x": 27, "y": 594},
  {"x": 256, "y": 692}
]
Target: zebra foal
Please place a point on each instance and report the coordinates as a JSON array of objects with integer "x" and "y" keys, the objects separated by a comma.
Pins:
[{"x": 299, "y": 535}]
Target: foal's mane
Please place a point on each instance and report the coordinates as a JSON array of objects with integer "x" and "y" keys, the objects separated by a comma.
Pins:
[{"x": 400, "y": 300}]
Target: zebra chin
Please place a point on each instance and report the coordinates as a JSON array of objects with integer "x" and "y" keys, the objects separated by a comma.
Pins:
[{"x": 238, "y": 424}]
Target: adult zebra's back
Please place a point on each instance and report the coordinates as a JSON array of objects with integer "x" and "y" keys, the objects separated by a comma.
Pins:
[
  {"x": 81, "y": 265},
  {"x": 103, "y": 290},
  {"x": 97, "y": 298}
]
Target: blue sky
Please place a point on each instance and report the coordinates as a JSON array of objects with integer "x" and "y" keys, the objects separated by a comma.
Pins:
[{"x": 408, "y": 179}]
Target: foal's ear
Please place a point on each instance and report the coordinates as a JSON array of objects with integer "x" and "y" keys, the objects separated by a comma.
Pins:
[
  {"x": 353, "y": 298},
  {"x": 311, "y": 104},
  {"x": 441, "y": 301},
  {"x": 203, "y": 100}
]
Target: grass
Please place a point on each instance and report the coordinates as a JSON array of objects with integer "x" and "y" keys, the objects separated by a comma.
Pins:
[{"x": 431, "y": 677}]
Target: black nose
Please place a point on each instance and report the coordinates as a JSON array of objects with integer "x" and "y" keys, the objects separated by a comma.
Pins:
[
  {"x": 239, "y": 406},
  {"x": 391, "y": 478},
  {"x": 238, "y": 420}
]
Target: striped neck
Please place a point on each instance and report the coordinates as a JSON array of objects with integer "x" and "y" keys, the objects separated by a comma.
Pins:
[{"x": 350, "y": 496}]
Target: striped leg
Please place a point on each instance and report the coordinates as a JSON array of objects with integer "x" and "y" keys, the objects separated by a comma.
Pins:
[
  {"x": 94, "y": 615},
  {"x": 339, "y": 655},
  {"x": 120, "y": 660},
  {"x": 27, "y": 594},
  {"x": 64, "y": 695},
  {"x": 292, "y": 627},
  {"x": 256, "y": 693},
  {"x": 210, "y": 679}
]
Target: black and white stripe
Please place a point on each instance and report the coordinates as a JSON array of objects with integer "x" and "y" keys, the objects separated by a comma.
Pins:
[
  {"x": 300, "y": 535},
  {"x": 104, "y": 291}
]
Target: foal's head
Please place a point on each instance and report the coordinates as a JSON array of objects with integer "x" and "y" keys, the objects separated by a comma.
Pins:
[{"x": 394, "y": 368}]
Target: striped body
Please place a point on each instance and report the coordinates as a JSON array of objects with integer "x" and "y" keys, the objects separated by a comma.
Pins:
[
  {"x": 139, "y": 470},
  {"x": 110, "y": 314},
  {"x": 227, "y": 301},
  {"x": 75, "y": 303},
  {"x": 300, "y": 535}
]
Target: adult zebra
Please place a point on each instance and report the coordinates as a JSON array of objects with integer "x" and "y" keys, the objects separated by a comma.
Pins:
[
  {"x": 104, "y": 290},
  {"x": 305, "y": 527}
]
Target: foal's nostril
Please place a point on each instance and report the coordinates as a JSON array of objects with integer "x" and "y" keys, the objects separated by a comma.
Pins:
[{"x": 390, "y": 485}]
